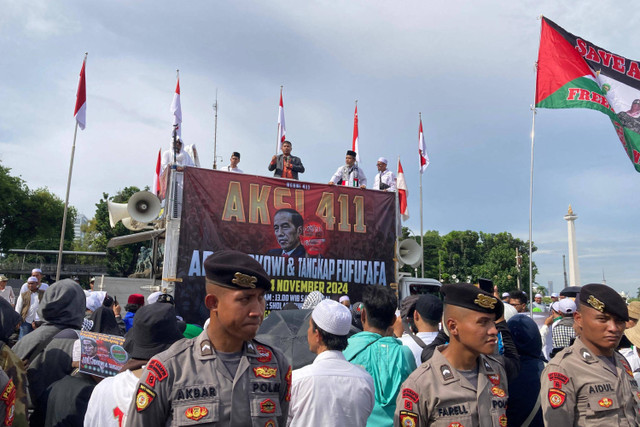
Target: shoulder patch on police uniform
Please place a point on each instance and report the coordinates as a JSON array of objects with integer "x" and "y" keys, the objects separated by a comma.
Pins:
[
  {"x": 196, "y": 413},
  {"x": 158, "y": 369},
  {"x": 144, "y": 397},
  {"x": 408, "y": 419},
  {"x": 8, "y": 396},
  {"x": 265, "y": 354},
  {"x": 270, "y": 423},
  {"x": 626, "y": 366},
  {"x": 445, "y": 370},
  {"x": 558, "y": 379},
  {"x": 494, "y": 379},
  {"x": 456, "y": 424},
  {"x": 556, "y": 398},
  {"x": 265, "y": 371},
  {"x": 410, "y": 394}
]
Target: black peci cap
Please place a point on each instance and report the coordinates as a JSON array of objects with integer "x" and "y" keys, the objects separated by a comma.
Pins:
[
  {"x": 351, "y": 153},
  {"x": 604, "y": 299},
  {"x": 235, "y": 154},
  {"x": 469, "y": 296},
  {"x": 235, "y": 270}
]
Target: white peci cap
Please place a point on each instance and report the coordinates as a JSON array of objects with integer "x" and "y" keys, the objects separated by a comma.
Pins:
[
  {"x": 344, "y": 298},
  {"x": 332, "y": 317},
  {"x": 383, "y": 160}
]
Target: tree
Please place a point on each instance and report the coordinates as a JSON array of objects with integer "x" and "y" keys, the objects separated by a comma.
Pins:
[
  {"x": 470, "y": 255},
  {"x": 122, "y": 259},
  {"x": 31, "y": 217}
]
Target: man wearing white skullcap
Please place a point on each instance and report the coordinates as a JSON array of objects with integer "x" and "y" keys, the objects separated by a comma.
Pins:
[
  {"x": 330, "y": 391},
  {"x": 385, "y": 179},
  {"x": 344, "y": 300}
]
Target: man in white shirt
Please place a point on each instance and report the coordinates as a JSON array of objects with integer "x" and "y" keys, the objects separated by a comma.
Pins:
[
  {"x": 330, "y": 391},
  {"x": 37, "y": 273},
  {"x": 178, "y": 157},
  {"x": 27, "y": 306},
  {"x": 385, "y": 179},
  {"x": 349, "y": 175},
  {"x": 233, "y": 163},
  {"x": 6, "y": 292},
  {"x": 426, "y": 318}
]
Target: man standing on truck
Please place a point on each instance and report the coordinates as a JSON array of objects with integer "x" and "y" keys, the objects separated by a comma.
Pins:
[
  {"x": 349, "y": 175},
  {"x": 286, "y": 165}
]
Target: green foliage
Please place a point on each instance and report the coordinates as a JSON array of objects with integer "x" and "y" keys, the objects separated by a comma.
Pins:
[
  {"x": 31, "y": 217},
  {"x": 468, "y": 255}
]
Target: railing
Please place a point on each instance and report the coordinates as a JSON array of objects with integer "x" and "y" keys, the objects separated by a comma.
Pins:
[{"x": 17, "y": 267}]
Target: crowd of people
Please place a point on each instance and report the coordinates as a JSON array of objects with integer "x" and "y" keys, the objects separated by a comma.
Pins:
[
  {"x": 466, "y": 357},
  {"x": 284, "y": 165}
]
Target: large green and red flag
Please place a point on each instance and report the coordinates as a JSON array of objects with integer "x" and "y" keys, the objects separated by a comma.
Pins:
[{"x": 575, "y": 73}]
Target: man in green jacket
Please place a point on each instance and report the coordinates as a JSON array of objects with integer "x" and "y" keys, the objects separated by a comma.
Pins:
[{"x": 382, "y": 355}]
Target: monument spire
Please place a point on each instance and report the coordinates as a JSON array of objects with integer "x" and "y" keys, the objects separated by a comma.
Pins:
[{"x": 574, "y": 269}]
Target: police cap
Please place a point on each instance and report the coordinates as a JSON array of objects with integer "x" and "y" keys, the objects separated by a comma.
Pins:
[
  {"x": 604, "y": 299},
  {"x": 235, "y": 270},
  {"x": 469, "y": 296}
]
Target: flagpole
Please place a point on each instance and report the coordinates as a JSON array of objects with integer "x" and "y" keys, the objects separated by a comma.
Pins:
[
  {"x": 421, "y": 231},
  {"x": 533, "y": 133},
  {"x": 396, "y": 246},
  {"x": 66, "y": 200},
  {"x": 215, "y": 133},
  {"x": 279, "y": 124}
]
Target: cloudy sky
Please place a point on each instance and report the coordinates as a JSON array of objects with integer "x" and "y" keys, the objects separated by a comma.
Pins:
[{"x": 467, "y": 66}]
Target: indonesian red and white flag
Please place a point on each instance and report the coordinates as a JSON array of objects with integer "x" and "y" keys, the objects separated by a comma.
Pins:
[
  {"x": 422, "y": 150},
  {"x": 403, "y": 193},
  {"x": 282, "y": 130},
  {"x": 80, "y": 112},
  {"x": 156, "y": 181},
  {"x": 176, "y": 109},
  {"x": 354, "y": 145}
]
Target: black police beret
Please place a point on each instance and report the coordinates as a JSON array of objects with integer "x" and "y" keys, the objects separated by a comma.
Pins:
[
  {"x": 604, "y": 299},
  {"x": 235, "y": 270},
  {"x": 469, "y": 296}
]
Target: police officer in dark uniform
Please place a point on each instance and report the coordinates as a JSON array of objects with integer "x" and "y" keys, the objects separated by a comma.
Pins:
[
  {"x": 589, "y": 383},
  {"x": 223, "y": 377},
  {"x": 461, "y": 384}
]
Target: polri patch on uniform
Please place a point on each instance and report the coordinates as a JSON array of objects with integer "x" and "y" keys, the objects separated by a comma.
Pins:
[
  {"x": 8, "y": 396},
  {"x": 196, "y": 413},
  {"x": 265, "y": 371},
  {"x": 627, "y": 368},
  {"x": 144, "y": 397},
  {"x": 151, "y": 379},
  {"x": 556, "y": 398},
  {"x": 456, "y": 424},
  {"x": 408, "y": 419},
  {"x": 267, "y": 406},
  {"x": 265, "y": 354},
  {"x": 270, "y": 423},
  {"x": 494, "y": 379},
  {"x": 503, "y": 420},
  {"x": 407, "y": 393},
  {"x": 558, "y": 379},
  {"x": 497, "y": 391},
  {"x": 287, "y": 378},
  {"x": 408, "y": 405},
  {"x": 158, "y": 369},
  {"x": 605, "y": 402},
  {"x": 445, "y": 370}
]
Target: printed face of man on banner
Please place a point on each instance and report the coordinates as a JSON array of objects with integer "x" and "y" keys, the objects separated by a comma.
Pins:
[{"x": 287, "y": 226}]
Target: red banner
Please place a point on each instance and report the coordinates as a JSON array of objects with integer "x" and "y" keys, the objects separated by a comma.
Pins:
[{"x": 307, "y": 236}]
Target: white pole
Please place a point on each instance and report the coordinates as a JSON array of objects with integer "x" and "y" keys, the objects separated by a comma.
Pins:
[
  {"x": 66, "y": 204},
  {"x": 398, "y": 232},
  {"x": 533, "y": 134},
  {"x": 421, "y": 231}
]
